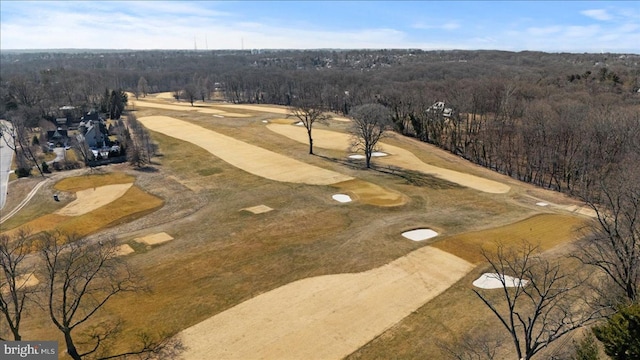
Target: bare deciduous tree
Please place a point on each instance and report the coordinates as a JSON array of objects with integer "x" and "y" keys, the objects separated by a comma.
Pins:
[
  {"x": 370, "y": 122},
  {"x": 308, "y": 115},
  {"x": 545, "y": 308},
  {"x": 614, "y": 243},
  {"x": 81, "y": 277},
  {"x": 474, "y": 345},
  {"x": 14, "y": 281}
]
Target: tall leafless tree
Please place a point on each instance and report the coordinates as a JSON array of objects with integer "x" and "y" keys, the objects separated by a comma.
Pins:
[
  {"x": 309, "y": 115},
  {"x": 613, "y": 244},
  {"x": 15, "y": 289},
  {"x": 81, "y": 277},
  {"x": 544, "y": 305},
  {"x": 369, "y": 125}
]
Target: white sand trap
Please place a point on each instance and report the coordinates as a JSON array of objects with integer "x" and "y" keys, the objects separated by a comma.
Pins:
[
  {"x": 265, "y": 121},
  {"x": 402, "y": 158},
  {"x": 419, "y": 234},
  {"x": 542, "y": 204},
  {"x": 325, "y": 317},
  {"x": 250, "y": 158},
  {"x": 356, "y": 156},
  {"x": 154, "y": 239},
  {"x": 91, "y": 199},
  {"x": 218, "y": 115},
  {"x": 341, "y": 198},
  {"x": 378, "y": 154},
  {"x": 493, "y": 281},
  {"x": 299, "y": 123},
  {"x": 260, "y": 209},
  {"x": 123, "y": 250}
]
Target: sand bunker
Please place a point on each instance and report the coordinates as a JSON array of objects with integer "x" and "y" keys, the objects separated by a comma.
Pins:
[
  {"x": 154, "y": 239},
  {"x": 23, "y": 281},
  {"x": 260, "y": 209},
  {"x": 250, "y": 158},
  {"x": 123, "y": 250},
  {"x": 378, "y": 154},
  {"x": 494, "y": 281},
  {"x": 341, "y": 198},
  {"x": 401, "y": 157},
  {"x": 419, "y": 234},
  {"x": 357, "y": 157},
  {"x": 325, "y": 317},
  {"x": 91, "y": 199},
  {"x": 542, "y": 204}
]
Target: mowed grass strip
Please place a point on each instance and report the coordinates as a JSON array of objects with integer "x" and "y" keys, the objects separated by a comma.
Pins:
[
  {"x": 545, "y": 230},
  {"x": 78, "y": 183}
]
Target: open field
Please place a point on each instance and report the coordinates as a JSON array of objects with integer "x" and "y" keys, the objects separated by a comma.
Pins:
[{"x": 312, "y": 278}]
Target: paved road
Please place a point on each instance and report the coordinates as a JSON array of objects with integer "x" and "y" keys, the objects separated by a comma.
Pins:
[{"x": 6, "y": 155}]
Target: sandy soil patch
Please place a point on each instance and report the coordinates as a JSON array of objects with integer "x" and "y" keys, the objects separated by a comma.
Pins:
[
  {"x": 123, "y": 250},
  {"x": 326, "y": 317},
  {"x": 250, "y": 158},
  {"x": 92, "y": 199},
  {"x": 154, "y": 239},
  {"x": 260, "y": 209},
  {"x": 583, "y": 210},
  {"x": 343, "y": 198},
  {"x": 419, "y": 234},
  {"x": 23, "y": 281},
  {"x": 494, "y": 281},
  {"x": 398, "y": 157}
]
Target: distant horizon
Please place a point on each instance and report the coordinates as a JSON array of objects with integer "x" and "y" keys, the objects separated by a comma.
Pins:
[
  {"x": 96, "y": 50},
  {"x": 545, "y": 26}
]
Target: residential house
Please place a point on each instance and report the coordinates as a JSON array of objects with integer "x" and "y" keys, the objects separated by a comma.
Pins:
[
  {"x": 58, "y": 137},
  {"x": 95, "y": 133}
]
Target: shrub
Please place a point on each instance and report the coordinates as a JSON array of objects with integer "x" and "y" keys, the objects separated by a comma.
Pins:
[{"x": 23, "y": 172}]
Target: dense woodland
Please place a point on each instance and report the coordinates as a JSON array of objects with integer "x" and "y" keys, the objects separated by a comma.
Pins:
[{"x": 555, "y": 120}]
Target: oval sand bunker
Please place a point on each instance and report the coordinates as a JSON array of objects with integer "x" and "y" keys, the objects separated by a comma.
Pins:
[
  {"x": 419, "y": 234},
  {"x": 341, "y": 198},
  {"x": 356, "y": 156},
  {"x": 495, "y": 281}
]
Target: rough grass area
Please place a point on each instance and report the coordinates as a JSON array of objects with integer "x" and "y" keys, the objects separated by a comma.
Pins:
[{"x": 545, "y": 230}]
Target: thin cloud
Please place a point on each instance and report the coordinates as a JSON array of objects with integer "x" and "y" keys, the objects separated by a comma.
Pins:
[
  {"x": 598, "y": 14},
  {"x": 450, "y": 25}
]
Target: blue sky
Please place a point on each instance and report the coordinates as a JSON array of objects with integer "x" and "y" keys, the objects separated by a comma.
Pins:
[{"x": 571, "y": 26}]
